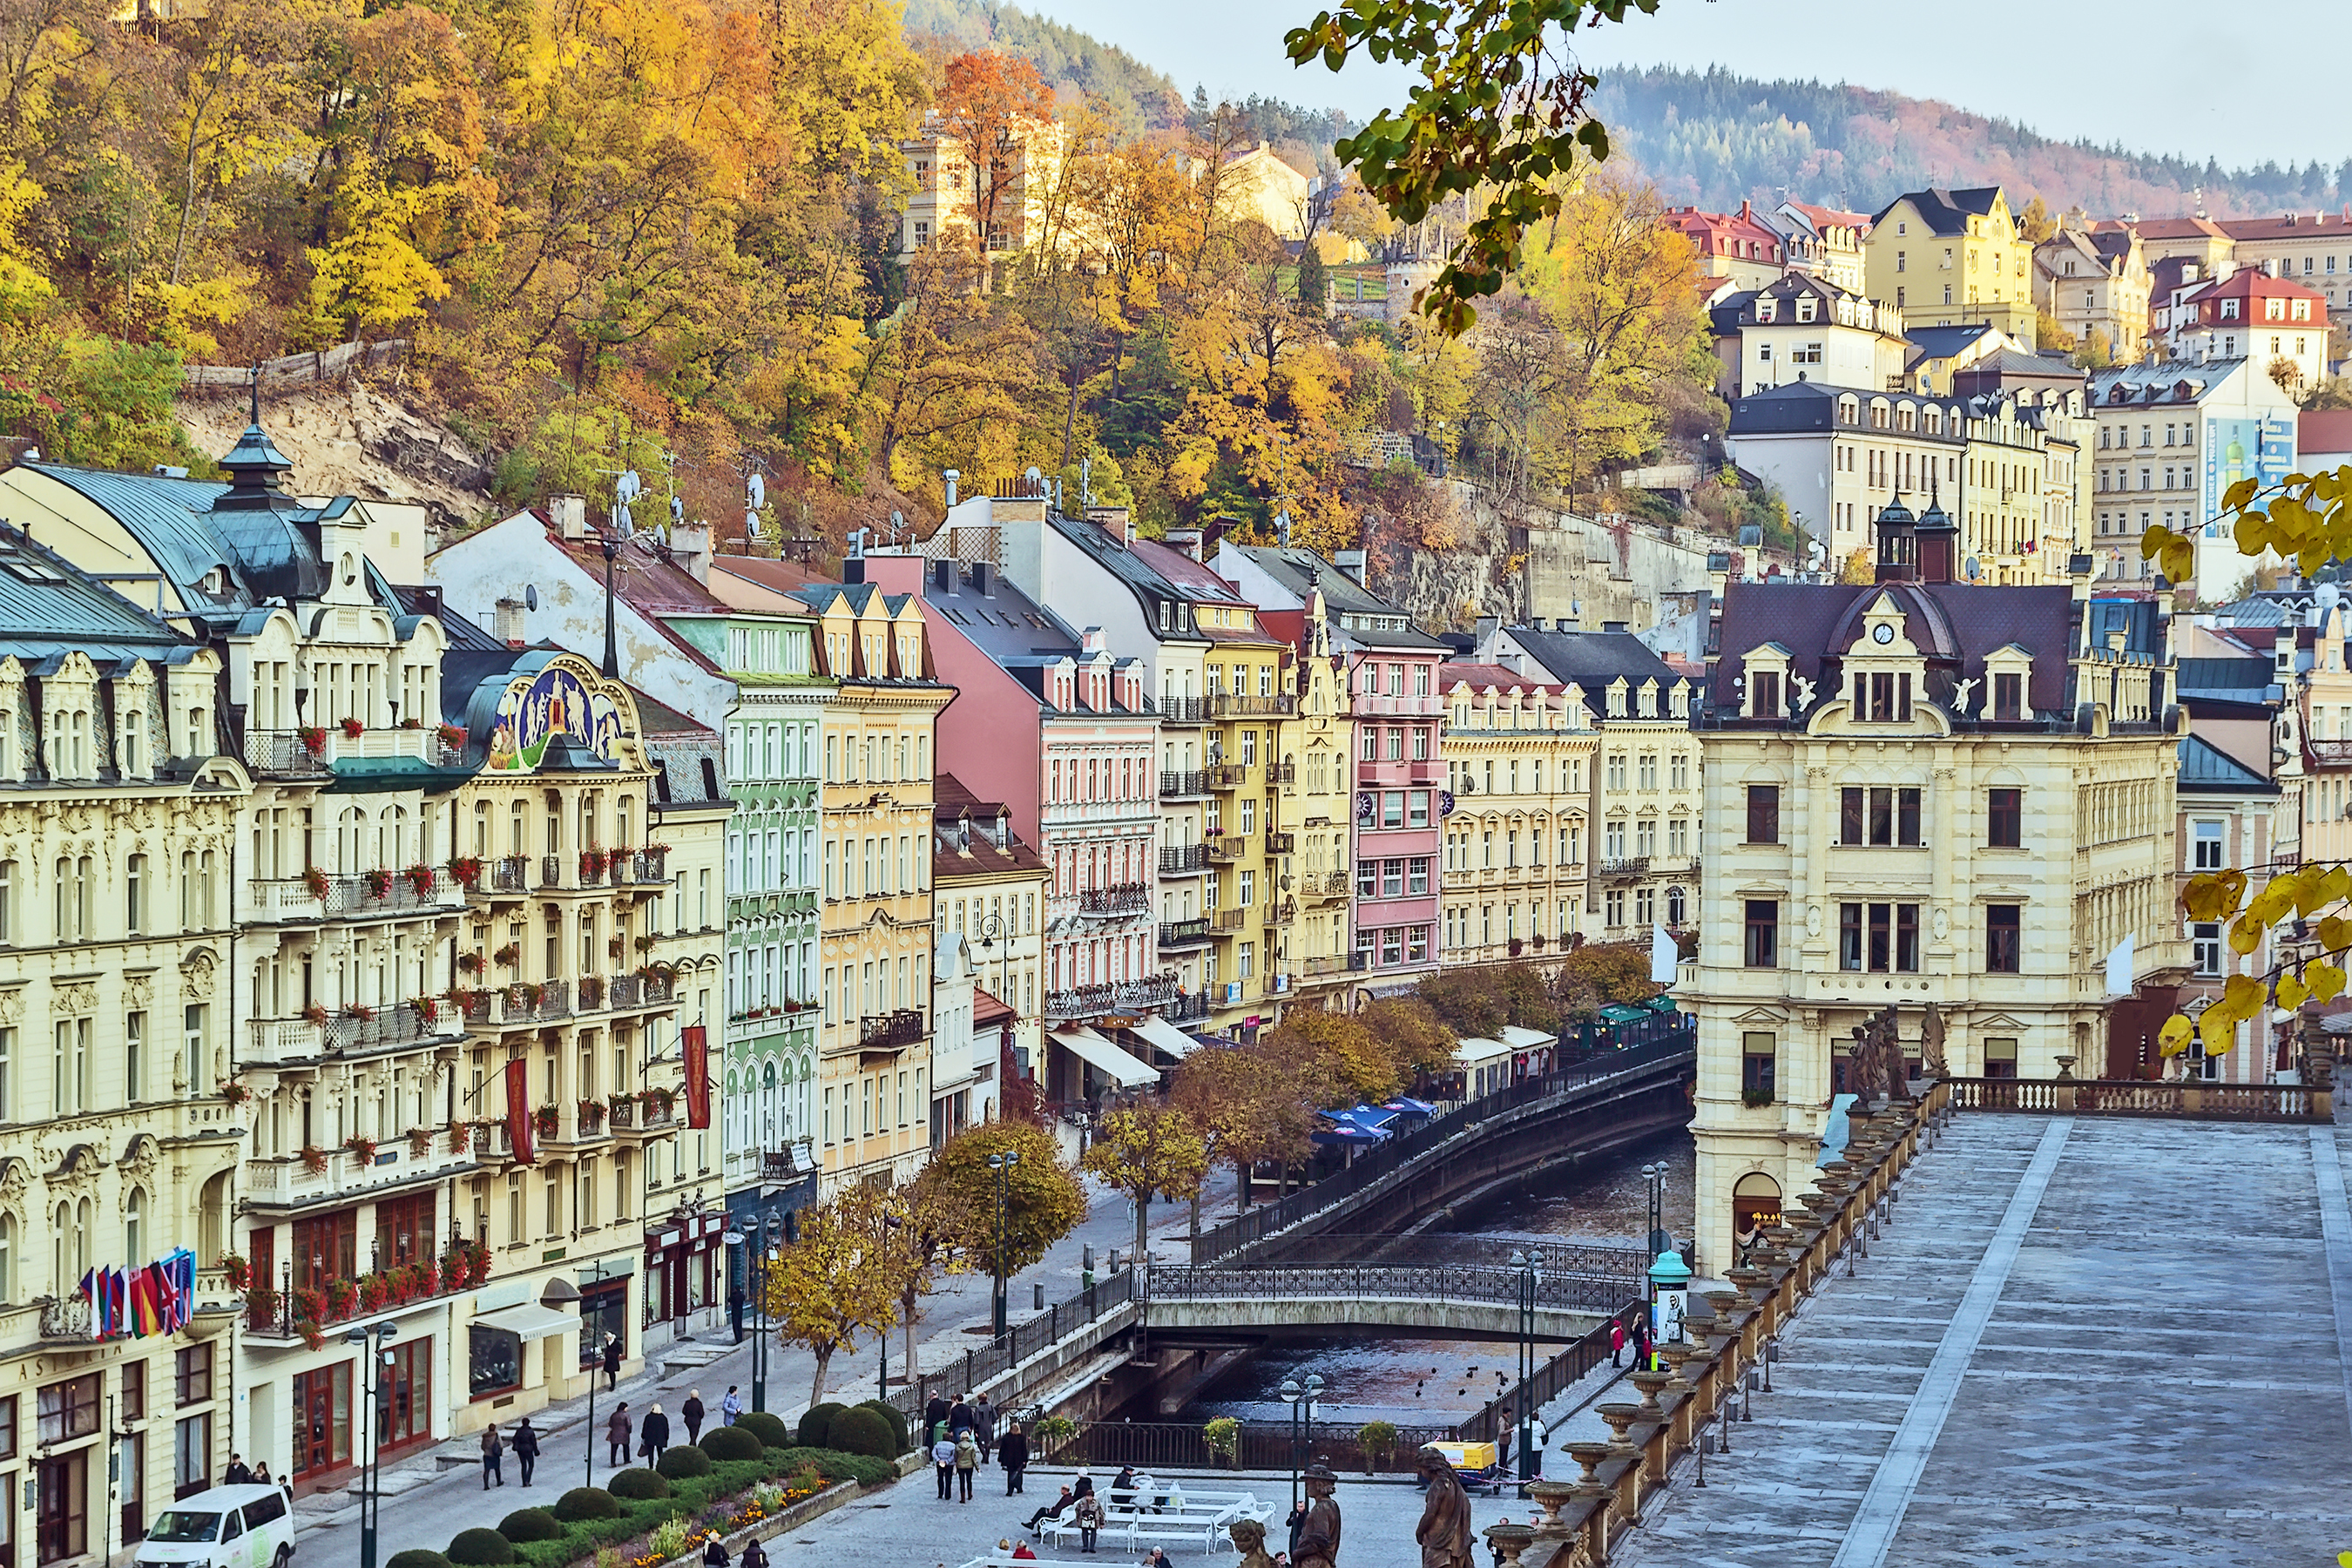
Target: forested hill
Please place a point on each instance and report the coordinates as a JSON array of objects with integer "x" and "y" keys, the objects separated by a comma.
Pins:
[{"x": 1714, "y": 138}]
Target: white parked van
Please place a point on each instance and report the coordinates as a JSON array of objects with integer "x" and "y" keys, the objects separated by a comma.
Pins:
[{"x": 226, "y": 1527}]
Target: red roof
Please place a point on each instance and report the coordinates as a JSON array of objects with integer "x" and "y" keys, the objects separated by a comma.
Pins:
[
  {"x": 2290, "y": 225},
  {"x": 1831, "y": 217},
  {"x": 2323, "y": 430},
  {"x": 1485, "y": 677},
  {"x": 1735, "y": 235},
  {"x": 2165, "y": 227}
]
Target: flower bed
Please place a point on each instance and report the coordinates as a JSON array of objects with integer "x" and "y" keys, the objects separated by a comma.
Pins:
[{"x": 738, "y": 1496}]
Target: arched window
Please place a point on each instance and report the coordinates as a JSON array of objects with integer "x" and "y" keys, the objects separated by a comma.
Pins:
[{"x": 1677, "y": 910}]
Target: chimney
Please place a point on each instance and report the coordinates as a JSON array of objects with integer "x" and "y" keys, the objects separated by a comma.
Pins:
[
  {"x": 943, "y": 578},
  {"x": 689, "y": 546},
  {"x": 1114, "y": 521},
  {"x": 980, "y": 578},
  {"x": 506, "y": 623},
  {"x": 854, "y": 568},
  {"x": 1351, "y": 563},
  {"x": 951, "y": 476},
  {"x": 570, "y": 515},
  {"x": 1185, "y": 539}
]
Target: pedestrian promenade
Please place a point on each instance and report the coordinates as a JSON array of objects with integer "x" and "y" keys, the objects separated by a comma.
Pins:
[{"x": 2112, "y": 1341}]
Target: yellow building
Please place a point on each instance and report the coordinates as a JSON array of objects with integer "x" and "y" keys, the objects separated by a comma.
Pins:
[
  {"x": 1319, "y": 801},
  {"x": 1519, "y": 762},
  {"x": 951, "y": 188},
  {"x": 2095, "y": 282},
  {"x": 875, "y": 836},
  {"x": 1922, "y": 791},
  {"x": 1946, "y": 257},
  {"x": 1259, "y": 184},
  {"x": 124, "y": 1119}
]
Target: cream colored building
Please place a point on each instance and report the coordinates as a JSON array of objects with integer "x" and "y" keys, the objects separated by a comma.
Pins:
[
  {"x": 1946, "y": 257},
  {"x": 125, "y": 1120},
  {"x": 1319, "y": 804},
  {"x": 950, "y": 189},
  {"x": 1521, "y": 758},
  {"x": 1260, "y": 185},
  {"x": 1902, "y": 809},
  {"x": 2095, "y": 282}
]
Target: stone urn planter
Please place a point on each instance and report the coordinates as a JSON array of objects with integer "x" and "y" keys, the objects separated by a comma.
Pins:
[
  {"x": 1650, "y": 1382},
  {"x": 1727, "y": 1305},
  {"x": 1620, "y": 1416},
  {"x": 1552, "y": 1496},
  {"x": 1590, "y": 1456},
  {"x": 1508, "y": 1540}
]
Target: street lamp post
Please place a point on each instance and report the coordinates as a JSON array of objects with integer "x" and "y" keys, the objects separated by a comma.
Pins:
[
  {"x": 365, "y": 1340},
  {"x": 771, "y": 1225},
  {"x": 1530, "y": 1267},
  {"x": 1002, "y": 1166},
  {"x": 1301, "y": 1398}
]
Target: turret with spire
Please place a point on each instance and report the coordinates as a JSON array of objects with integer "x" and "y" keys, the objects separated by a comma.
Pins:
[{"x": 257, "y": 468}]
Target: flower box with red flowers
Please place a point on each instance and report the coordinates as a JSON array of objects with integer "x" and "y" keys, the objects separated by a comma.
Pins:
[
  {"x": 421, "y": 876},
  {"x": 315, "y": 883},
  {"x": 466, "y": 872},
  {"x": 379, "y": 883},
  {"x": 314, "y": 738},
  {"x": 353, "y": 728}
]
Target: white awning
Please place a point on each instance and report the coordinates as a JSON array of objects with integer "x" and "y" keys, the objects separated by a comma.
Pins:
[
  {"x": 1167, "y": 1037},
  {"x": 530, "y": 1322},
  {"x": 1520, "y": 1039},
  {"x": 1106, "y": 1059},
  {"x": 1477, "y": 1049}
]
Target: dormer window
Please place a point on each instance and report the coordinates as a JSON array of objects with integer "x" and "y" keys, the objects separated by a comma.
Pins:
[
  {"x": 2009, "y": 697},
  {"x": 2229, "y": 310},
  {"x": 1617, "y": 699},
  {"x": 2007, "y": 670},
  {"x": 1766, "y": 308},
  {"x": 1805, "y": 303},
  {"x": 1679, "y": 703},
  {"x": 1649, "y": 699}
]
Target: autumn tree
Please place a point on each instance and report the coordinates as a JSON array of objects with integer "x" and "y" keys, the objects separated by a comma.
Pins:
[
  {"x": 1044, "y": 1199},
  {"x": 1149, "y": 1151},
  {"x": 993, "y": 107},
  {"x": 837, "y": 1281},
  {"x": 1248, "y": 1107},
  {"x": 927, "y": 1232}
]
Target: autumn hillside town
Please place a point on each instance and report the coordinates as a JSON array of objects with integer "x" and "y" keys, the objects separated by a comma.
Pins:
[{"x": 1426, "y": 764}]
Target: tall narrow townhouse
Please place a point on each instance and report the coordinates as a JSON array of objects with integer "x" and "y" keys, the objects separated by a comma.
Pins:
[
  {"x": 1518, "y": 766},
  {"x": 874, "y": 838},
  {"x": 539, "y": 581},
  {"x": 1398, "y": 715},
  {"x": 1647, "y": 778},
  {"x": 1094, "y": 571},
  {"x": 1048, "y": 722},
  {"x": 988, "y": 886},
  {"x": 120, "y": 1137},
  {"x": 1252, "y": 824},
  {"x": 1318, "y": 790},
  {"x": 320, "y": 997}
]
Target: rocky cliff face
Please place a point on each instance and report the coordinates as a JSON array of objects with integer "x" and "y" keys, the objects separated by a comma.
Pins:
[{"x": 349, "y": 438}]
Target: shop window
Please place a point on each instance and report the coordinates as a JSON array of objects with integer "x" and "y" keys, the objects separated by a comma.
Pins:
[
  {"x": 322, "y": 1419},
  {"x": 1999, "y": 1057}
]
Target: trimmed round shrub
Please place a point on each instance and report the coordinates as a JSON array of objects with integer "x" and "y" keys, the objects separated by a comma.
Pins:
[
  {"x": 894, "y": 1417},
  {"x": 727, "y": 1443},
  {"x": 530, "y": 1524},
  {"x": 417, "y": 1557},
  {"x": 481, "y": 1549},
  {"x": 816, "y": 1426},
  {"x": 863, "y": 1432},
  {"x": 684, "y": 1463},
  {"x": 767, "y": 1427},
  {"x": 587, "y": 1502},
  {"x": 638, "y": 1486}
]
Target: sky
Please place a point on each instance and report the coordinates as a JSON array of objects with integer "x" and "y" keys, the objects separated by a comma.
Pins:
[{"x": 2157, "y": 76}]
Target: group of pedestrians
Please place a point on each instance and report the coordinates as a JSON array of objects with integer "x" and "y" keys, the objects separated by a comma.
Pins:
[
  {"x": 960, "y": 1437},
  {"x": 525, "y": 1443},
  {"x": 650, "y": 1435}
]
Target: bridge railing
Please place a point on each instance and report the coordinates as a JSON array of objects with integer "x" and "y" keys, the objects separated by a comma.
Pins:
[
  {"x": 1018, "y": 1343},
  {"x": 1601, "y": 1257},
  {"x": 1270, "y": 1219},
  {"x": 1558, "y": 1291},
  {"x": 1158, "y": 1447}
]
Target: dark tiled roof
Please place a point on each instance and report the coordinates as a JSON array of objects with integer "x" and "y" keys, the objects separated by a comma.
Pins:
[
  {"x": 1593, "y": 659},
  {"x": 1943, "y": 342},
  {"x": 1136, "y": 574},
  {"x": 48, "y": 608},
  {"x": 953, "y": 805},
  {"x": 1956, "y": 625},
  {"x": 1345, "y": 600},
  {"x": 1946, "y": 212},
  {"x": 2205, "y": 766}
]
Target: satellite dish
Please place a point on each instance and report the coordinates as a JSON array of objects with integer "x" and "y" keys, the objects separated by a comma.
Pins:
[
  {"x": 628, "y": 486},
  {"x": 897, "y": 522},
  {"x": 751, "y": 524},
  {"x": 2324, "y": 598},
  {"x": 1815, "y": 555},
  {"x": 677, "y": 509},
  {"x": 1971, "y": 569},
  {"x": 755, "y": 492},
  {"x": 628, "y": 524},
  {"x": 530, "y": 597},
  {"x": 1032, "y": 473}
]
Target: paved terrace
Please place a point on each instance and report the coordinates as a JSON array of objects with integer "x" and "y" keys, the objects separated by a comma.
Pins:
[{"x": 2082, "y": 1339}]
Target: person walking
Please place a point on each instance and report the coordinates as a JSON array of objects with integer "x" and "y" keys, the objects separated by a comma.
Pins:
[
  {"x": 1089, "y": 1516},
  {"x": 693, "y": 1412},
  {"x": 525, "y": 1443},
  {"x": 612, "y": 1362},
  {"x": 1053, "y": 1510},
  {"x": 967, "y": 1460},
  {"x": 984, "y": 1426},
  {"x": 943, "y": 1456},
  {"x": 239, "y": 1473},
  {"x": 960, "y": 1415},
  {"x": 1616, "y": 1341},
  {"x": 935, "y": 1411},
  {"x": 1014, "y": 1455},
  {"x": 754, "y": 1555},
  {"x": 731, "y": 1405},
  {"x": 653, "y": 1436},
  {"x": 492, "y": 1446},
  {"x": 617, "y": 1435}
]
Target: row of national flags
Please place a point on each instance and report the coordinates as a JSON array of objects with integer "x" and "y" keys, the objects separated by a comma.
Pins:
[{"x": 155, "y": 1298}]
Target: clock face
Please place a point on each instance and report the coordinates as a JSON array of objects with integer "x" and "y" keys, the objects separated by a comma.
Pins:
[{"x": 1882, "y": 632}]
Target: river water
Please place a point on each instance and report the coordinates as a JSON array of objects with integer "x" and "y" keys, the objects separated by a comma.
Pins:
[{"x": 1417, "y": 1381}]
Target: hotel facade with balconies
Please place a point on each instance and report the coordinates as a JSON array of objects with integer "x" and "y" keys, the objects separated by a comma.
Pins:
[{"x": 1519, "y": 756}]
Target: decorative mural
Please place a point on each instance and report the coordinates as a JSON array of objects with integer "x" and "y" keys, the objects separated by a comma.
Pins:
[{"x": 556, "y": 701}]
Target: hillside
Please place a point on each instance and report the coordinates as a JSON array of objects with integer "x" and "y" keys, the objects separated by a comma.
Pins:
[{"x": 1715, "y": 138}]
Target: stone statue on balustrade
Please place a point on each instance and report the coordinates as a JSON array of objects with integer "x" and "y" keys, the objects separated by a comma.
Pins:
[
  {"x": 1445, "y": 1531},
  {"x": 1249, "y": 1540},
  {"x": 1318, "y": 1535},
  {"x": 1875, "y": 1069}
]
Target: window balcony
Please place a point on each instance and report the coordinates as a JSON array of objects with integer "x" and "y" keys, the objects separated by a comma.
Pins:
[
  {"x": 1280, "y": 914},
  {"x": 889, "y": 1031},
  {"x": 1227, "y": 848},
  {"x": 1182, "y": 710},
  {"x": 1184, "y": 933},
  {"x": 1236, "y": 705},
  {"x": 1229, "y": 775},
  {"x": 1125, "y": 899},
  {"x": 1183, "y": 860},
  {"x": 1228, "y": 920},
  {"x": 1156, "y": 991},
  {"x": 1183, "y": 785},
  {"x": 1281, "y": 843},
  {"x": 1186, "y": 1007},
  {"x": 1283, "y": 774},
  {"x": 283, "y": 754},
  {"x": 276, "y": 901},
  {"x": 1625, "y": 868}
]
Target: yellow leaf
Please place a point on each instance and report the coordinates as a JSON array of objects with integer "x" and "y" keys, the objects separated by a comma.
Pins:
[
  {"x": 2336, "y": 887},
  {"x": 2217, "y": 1032},
  {"x": 2290, "y": 991},
  {"x": 2175, "y": 1033},
  {"x": 2246, "y": 934},
  {"x": 2233, "y": 884},
  {"x": 2239, "y": 495},
  {"x": 2334, "y": 933},
  {"x": 2325, "y": 980},
  {"x": 2243, "y": 996}
]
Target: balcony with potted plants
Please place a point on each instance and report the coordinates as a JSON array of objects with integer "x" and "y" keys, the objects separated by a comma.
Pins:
[
  {"x": 281, "y": 1312},
  {"x": 357, "y": 1167}
]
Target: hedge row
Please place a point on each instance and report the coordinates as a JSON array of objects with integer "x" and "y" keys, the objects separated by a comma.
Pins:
[{"x": 690, "y": 1483}]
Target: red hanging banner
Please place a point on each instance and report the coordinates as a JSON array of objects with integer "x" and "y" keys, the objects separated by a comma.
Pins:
[
  {"x": 518, "y": 1110},
  {"x": 696, "y": 1046}
]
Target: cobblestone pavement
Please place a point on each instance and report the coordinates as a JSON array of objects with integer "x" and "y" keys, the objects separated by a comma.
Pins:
[
  {"x": 428, "y": 1498},
  {"x": 2082, "y": 1342}
]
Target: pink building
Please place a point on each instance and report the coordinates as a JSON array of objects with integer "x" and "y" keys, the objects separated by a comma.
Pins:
[{"x": 1048, "y": 721}]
